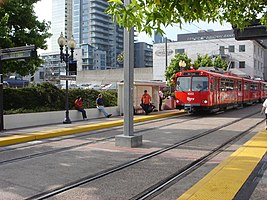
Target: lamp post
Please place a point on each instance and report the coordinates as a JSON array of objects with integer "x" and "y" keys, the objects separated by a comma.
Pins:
[
  {"x": 66, "y": 58},
  {"x": 182, "y": 65}
]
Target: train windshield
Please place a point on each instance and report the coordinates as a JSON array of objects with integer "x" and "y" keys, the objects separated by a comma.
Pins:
[
  {"x": 183, "y": 84},
  {"x": 197, "y": 83},
  {"x": 200, "y": 83}
]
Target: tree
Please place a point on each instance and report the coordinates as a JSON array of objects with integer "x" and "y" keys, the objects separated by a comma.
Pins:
[
  {"x": 22, "y": 28},
  {"x": 219, "y": 62},
  {"x": 203, "y": 61},
  {"x": 174, "y": 67},
  {"x": 150, "y": 15}
]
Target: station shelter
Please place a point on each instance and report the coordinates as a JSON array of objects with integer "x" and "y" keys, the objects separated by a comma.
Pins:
[{"x": 139, "y": 86}]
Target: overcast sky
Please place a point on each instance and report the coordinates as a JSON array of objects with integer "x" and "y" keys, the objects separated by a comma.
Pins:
[{"x": 43, "y": 10}]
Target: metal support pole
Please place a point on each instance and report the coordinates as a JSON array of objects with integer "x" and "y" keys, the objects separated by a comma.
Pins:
[
  {"x": 128, "y": 81},
  {"x": 128, "y": 139},
  {"x": 67, "y": 118},
  {"x": 1, "y": 97},
  {"x": 166, "y": 53}
]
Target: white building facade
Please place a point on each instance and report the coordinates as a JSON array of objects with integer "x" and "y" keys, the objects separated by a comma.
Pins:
[{"x": 247, "y": 56}]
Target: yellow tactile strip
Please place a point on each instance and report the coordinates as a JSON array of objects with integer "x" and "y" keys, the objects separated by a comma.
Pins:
[
  {"x": 9, "y": 140},
  {"x": 224, "y": 181}
]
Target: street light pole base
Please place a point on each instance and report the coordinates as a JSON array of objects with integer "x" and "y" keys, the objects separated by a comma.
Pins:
[{"x": 67, "y": 121}]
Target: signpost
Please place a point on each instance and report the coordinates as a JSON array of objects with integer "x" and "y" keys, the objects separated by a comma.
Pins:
[{"x": 15, "y": 53}]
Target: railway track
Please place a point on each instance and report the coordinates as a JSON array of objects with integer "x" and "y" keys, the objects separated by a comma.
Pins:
[
  {"x": 164, "y": 183},
  {"x": 54, "y": 151}
]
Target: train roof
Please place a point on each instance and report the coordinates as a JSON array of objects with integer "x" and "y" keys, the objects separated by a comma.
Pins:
[{"x": 201, "y": 72}]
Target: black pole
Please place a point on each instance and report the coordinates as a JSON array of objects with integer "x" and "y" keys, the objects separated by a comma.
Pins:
[
  {"x": 67, "y": 118},
  {"x": 166, "y": 52},
  {"x": 1, "y": 97}
]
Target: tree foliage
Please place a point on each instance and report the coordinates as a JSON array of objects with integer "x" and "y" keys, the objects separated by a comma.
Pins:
[
  {"x": 20, "y": 27},
  {"x": 174, "y": 67},
  {"x": 219, "y": 62},
  {"x": 203, "y": 61},
  {"x": 150, "y": 15}
]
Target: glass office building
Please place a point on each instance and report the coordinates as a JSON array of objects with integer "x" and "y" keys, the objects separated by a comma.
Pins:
[
  {"x": 61, "y": 21},
  {"x": 100, "y": 39}
]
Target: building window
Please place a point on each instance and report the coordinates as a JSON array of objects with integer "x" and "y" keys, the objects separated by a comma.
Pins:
[
  {"x": 221, "y": 49},
  {"x": 180, "y": 51},
  {"x": 242, "y": 48},
  {"x": 232, "y": 65},
  {"x": 242, "y": 64},
  {"x": 41, "y": 75},
  {"x": 231, "y": 48}
]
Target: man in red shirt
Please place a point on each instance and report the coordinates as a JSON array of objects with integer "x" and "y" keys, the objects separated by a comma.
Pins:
[
  {"x": 79, "y": 106},
  {"x": 146, "y": 101}
]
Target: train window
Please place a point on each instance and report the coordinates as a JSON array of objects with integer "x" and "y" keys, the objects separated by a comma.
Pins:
[
  {"x": 183, "y": 83},
  {"x": 246, "y": 86},
  {"x": 223, "y": 85},
  {"x": 229, "y": 85},
  {"x": 200, "y": 83},
  {"x": 253, "y": 86},
  {"x": 265, "y": 87}
]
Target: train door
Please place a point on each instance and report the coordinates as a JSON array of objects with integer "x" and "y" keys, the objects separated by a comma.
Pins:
[
  {"x": 239, "y": 92},
  {"x": 214, "y": 90},
  {"x": 246, "y": 92}
]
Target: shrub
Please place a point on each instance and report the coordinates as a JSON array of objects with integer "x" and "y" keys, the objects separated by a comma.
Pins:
[{"x": 47, "y": 97}]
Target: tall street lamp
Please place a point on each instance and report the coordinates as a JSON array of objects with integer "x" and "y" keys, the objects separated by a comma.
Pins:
[
  {"x": 182, "y": 65},
  {"x": 66, "y": 58}
]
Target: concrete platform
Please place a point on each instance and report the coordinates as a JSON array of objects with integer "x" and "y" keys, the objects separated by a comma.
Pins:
[
  {"x": 41, "y": 132},
  {"x": 225, "y": 181}
]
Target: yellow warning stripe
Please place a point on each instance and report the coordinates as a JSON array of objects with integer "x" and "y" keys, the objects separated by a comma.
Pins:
[{"x": 224, "y": 181}]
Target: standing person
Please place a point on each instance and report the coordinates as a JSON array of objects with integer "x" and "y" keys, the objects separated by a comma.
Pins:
[
  {"x": 146, "y": 101},
  {"x": 161, "y": 97},
  {"x": 264, "y": 110},
  {"x": 100, "y": 106},
  {"x": 79, "y": 106}
]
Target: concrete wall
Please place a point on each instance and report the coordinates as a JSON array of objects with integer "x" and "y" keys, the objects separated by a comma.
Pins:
[
  {"x": 112, "y": 75},
  {"x": 46, "y": 118}
]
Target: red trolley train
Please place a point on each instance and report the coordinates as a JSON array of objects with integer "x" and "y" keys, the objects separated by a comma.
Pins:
[{"x": 201, "y": 90}]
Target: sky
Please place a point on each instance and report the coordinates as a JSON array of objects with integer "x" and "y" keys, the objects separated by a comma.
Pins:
[{"x": 43, "y": 10}]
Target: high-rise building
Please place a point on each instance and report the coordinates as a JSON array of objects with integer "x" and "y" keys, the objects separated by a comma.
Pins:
[
  {"x": 61, "y": 21},
  {"x": 93, "y": 30},
  {"x": 143, "y": 55},
  {"x": 158, "y": 38}
]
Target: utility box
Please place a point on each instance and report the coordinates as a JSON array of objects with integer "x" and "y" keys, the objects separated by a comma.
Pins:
[{"x": 139, "y": 86}]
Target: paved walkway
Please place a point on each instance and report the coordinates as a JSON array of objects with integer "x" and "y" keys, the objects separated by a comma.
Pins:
[{"x": 15, "y": 136}]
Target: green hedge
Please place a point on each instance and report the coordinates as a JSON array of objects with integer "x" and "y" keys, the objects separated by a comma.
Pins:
[{"x": 47, "y": 97}]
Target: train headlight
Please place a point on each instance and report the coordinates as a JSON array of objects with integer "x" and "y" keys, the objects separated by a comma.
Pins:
[
  {"x": 205, "y": 101},
  {"x": 177, "y": 101}
]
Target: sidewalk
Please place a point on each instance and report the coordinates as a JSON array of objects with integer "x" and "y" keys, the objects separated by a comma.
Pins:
[{"x": 15, "y": 136}]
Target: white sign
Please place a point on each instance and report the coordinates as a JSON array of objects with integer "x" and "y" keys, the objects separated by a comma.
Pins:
[{"x": 67, "y": 78}]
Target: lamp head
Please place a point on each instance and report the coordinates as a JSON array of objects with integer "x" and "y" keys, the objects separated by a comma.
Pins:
[
  {"x": 61, "y": 40},
  {"x": 72, "y": 43}
]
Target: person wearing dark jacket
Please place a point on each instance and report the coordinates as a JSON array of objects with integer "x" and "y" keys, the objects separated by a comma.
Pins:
[
  {"x": 79, "y": 106},
  {"x": 100, "y": 106}
]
